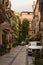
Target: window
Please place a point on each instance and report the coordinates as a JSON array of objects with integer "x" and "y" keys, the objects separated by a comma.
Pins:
[
  {"x": 2, "y": 1},
  {"x": 41, "y": 26},
  {"x": 41, "y": 6},
  {"x": 38, "y": 44},
  {"x": 6, "y": 3}
]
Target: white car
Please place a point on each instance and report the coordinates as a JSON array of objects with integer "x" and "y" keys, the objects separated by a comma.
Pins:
[
  {"x": 22, "y": 43},
  {"x": 32, "y": 46}
]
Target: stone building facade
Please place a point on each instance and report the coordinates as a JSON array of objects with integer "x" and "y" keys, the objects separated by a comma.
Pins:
[
  {"x": 36, "y": 18},
  {"x": 41, "y": 19},
  {"x": 4, "y": 21},
  {"x": 37, "y": 22}
]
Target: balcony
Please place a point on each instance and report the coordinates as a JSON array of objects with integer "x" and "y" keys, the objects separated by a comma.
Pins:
[{"x": 3, "y": 16}]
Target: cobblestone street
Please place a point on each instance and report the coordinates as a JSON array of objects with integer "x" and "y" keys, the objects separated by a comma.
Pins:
[{"x": 17, "y": 56}]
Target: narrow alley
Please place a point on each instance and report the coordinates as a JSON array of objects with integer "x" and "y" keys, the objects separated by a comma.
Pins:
[{"x": 17, "y": 56}]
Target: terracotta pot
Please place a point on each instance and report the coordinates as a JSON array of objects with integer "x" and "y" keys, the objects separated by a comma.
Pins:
[{"x": 37, "y": 59}]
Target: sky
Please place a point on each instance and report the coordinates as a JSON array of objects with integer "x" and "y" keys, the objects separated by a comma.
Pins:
[{"x": 21, "y": 5}]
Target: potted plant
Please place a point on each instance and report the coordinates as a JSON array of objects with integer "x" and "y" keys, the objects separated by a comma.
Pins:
[{"x": 36, "y": 54}]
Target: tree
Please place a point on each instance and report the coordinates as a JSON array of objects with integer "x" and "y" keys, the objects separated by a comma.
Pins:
[
  {"x": 25, "y": 28},
  {"x": 19, "y": 29}
]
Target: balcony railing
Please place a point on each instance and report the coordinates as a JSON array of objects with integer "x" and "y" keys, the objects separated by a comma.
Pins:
[{"x": 3, "y": 16}]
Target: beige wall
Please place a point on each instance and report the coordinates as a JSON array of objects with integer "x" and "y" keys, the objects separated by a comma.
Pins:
[{"x": 26, "y": 15}]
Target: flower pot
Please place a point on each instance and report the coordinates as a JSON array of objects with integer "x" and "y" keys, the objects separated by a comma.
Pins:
[{"x": 37, "y": 60}]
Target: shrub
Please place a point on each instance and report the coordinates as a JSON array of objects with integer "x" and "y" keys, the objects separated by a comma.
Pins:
[{"x": 15, "y": 44}]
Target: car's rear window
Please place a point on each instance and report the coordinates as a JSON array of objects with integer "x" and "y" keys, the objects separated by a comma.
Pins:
[
  {"x": 38, "y": 44},
  {"x": 32, "y": 44}
]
